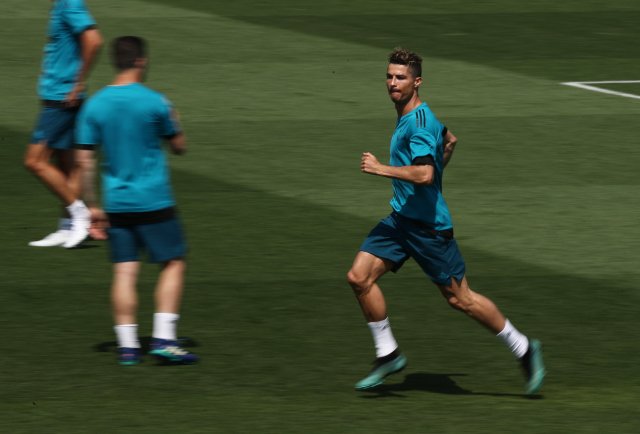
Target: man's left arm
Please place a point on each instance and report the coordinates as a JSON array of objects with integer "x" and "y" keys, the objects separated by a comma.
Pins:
[{"x": 449, "y": 145}]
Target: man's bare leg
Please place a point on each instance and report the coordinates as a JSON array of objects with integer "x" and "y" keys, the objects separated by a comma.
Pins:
[
  {"x": 483, "y": 310},
  {"x": 124, "y": 301},
  {"x": 38, "y": 161},
  {"x": 362, "y": 278},
  {"x": 461, "y": 297},
  {"x": 169, "y": 288},
  {"x": 168, "y": 297}
]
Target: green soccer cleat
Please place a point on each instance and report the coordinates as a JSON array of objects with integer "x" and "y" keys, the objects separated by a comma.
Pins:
[
  {"x": 383, "y": 367},
  {"x": 533, "y": 366},
  {"x": 129, "y": 356},
  {"x": 169, "y": 352}
]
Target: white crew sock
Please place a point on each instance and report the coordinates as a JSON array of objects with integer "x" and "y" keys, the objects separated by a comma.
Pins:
[
  {"x": 383, "y": 337},
  {"x": 78, "y": 210},
  {"x": 516, "y": 341},
  {"x": 64, "y": 224},
  {"x": 127, "y": 335},
  {"x": 164, "y": 325}
]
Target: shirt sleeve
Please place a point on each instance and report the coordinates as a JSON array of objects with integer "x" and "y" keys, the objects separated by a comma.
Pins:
[
  {"x": 87, "y": 131},
  {"x": 77, "y": 16},
  {"x": 169, "y": 125},
  {"x": 422, "y": 143}
]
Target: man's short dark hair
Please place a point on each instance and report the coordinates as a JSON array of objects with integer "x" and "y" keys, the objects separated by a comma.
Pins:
[
  {"x": 402, "y": 56},
  {"x": 126, "y": 50}
]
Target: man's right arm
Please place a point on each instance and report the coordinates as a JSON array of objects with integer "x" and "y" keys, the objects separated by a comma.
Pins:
[
  {"x": 90, "y": 44},
  {"x": 419, "y": 174},
  {"x": 85, "y": 159}
]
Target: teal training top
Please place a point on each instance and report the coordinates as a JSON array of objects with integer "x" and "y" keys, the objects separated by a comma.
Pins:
[
  {"x": 62, "y": 53},
  {"x": 420, "y": 134},
  {"x": 129, "y": 122}
]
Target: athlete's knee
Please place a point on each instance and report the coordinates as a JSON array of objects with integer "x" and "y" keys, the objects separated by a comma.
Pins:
[
  {"x": 35, "y": 162},
  {"x": 462, "y": 304},
  {"x": 461, "y": 300},
  {"x": 174, "y": 265},
  {"x": 31, "y": 163},
  {"x": 122, "y": 273},
  {"x": 360, "y": 282}
]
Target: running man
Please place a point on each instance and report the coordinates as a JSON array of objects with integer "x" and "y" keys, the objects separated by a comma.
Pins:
[
  {"x": 129, "y": 121},
  {"x": 420, "y": 227},
  {"x": 73, "y": 45}
]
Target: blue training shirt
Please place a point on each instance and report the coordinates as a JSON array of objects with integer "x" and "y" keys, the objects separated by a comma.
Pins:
[
  {"x": 419, "y": 134},
  {"x": 129, "y": 122},
  {"x": 62, "y": 53}
]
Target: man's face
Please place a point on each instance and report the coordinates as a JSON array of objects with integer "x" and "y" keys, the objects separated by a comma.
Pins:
[{"x": 401, "y": 84}]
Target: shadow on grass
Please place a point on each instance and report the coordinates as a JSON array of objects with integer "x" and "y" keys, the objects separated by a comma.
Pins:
[
  {"x": 85, "y": 245},
  {"x": 145, "y": 341},
  {"x": 434, "y": 383}
]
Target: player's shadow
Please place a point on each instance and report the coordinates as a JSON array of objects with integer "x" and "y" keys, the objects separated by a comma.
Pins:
[
  {"x": 434, "y": 383},
  {"x": 145, "y": 341},
  {"x": 86, "y": 245}
]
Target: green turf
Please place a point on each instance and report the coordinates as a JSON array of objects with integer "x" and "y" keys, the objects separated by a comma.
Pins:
[{"x": 279, "y": 99}]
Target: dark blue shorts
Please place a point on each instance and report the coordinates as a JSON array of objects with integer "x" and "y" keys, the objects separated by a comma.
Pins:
[
  {"x": 163, "y": 241},
  {"x": 397, "y": 238},
  {"x": 55, "y": 126}
]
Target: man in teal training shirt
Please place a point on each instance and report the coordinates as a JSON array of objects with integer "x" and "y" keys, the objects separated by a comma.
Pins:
[
  {"x": 72, "y": 47},
  {"x": 420, "y": 227},
  {"x": 129, "y": 122}
]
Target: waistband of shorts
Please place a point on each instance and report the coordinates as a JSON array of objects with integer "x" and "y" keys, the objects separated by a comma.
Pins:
[
  {"x": 58, "y": 104},
  {"x": 141, "y": 218},
  {"x": 445, "y": 233}
]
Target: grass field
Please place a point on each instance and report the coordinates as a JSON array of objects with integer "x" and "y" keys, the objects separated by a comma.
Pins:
[{"x": 279, "y": 98}]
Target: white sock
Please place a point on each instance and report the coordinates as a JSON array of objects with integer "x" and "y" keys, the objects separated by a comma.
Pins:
[
  {"x": 64, "y": 224},
  {"x": 383, "y": 337},
  {"x": 78, "y": 210},
  {"x": 127, "y": 335},
  {"x": 516, "y": 341},
  {"x": 164, "y": 325}
]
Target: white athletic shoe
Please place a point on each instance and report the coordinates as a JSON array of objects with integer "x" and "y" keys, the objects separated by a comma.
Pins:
[
  {"x": 55, "y": 239},
  {"x": 80, "y": 223}
]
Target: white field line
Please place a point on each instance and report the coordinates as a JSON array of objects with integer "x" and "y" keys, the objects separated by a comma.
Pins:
[{"x": 586, "y": 85}]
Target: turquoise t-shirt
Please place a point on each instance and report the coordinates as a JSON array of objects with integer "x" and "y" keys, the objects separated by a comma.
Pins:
[
  {"x": 62, "y": 53},
  {"x": 419, "y": 134},
  {"x": 129, "y": 123}
]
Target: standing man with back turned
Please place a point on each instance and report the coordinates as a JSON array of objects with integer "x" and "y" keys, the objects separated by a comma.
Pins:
[
  {"x": 71, "y": 50},
  {"x": 130, "y": 121},
  {"x": 420, "y": 227}
]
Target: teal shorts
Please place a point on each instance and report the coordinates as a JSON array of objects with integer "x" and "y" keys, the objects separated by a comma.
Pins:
[
  {"x": 163, "y": 241},
  {"x": 55, "y": 127},
  {"x": 397, "y": 238}
]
